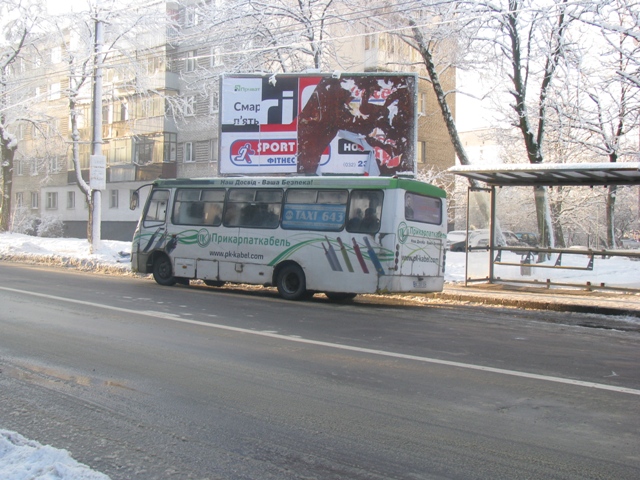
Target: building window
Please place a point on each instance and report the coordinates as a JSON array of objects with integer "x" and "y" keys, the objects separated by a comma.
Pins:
[
  {"x": 190, "y": 106},
  {"x": 71, "y": 200},
  {"x": 188, "y": 154},
  {"x": 370, "y": 41},
  {"x": 170, "y": 147},
  {"x": 52, "y": 200},
  {"x": 213, "y": 103},
  {"x": 124, "y": 112},
  {"x": 214, "y": 150},
  {"x": 216, "y": 57},
  {"x": 113, "y": 199},
  {"x": 144, "y": 151},
  {"x": 35, "y": 200},
  {"x": 19, "y": 200},
  {"x": 54, "y": 165},
  {"x": 190, "y": 17},
  {"x": 190, "y": 62},
  {"x": 56, "y": 55},
  {"x": 423, "y": 103},
  {"x": 19, "y": 166},
  {"x": 422, "y": 152},
  {"x": 54, "y": 91},
  {"x": 106, "y": 114}
]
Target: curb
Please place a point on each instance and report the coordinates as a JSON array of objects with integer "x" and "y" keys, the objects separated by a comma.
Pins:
[{"x": 537, "y": 305}]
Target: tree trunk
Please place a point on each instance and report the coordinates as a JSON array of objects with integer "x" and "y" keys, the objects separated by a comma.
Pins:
[
  {"x": 556, "y": 210},
  {"x": 7, "y": 181},
  {"x": 447, "y": 115},
  {"x": 543, "y": 213}
]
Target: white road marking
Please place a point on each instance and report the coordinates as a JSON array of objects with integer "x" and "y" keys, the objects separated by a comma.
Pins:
[{"x": 296, "y": 339}]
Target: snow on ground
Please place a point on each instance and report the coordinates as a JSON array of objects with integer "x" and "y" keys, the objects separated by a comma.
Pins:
[
  {"x": 22, "y": 459},
  {"x": 111, "y": 256}
]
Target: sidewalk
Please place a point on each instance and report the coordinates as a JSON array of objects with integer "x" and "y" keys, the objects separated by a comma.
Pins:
[{"x": 559, "y": 300}]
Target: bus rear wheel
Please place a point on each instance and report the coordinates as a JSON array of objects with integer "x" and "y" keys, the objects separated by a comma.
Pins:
[
  {"x": 291, "y": 283},
  {"x": 163, "y": 272}
]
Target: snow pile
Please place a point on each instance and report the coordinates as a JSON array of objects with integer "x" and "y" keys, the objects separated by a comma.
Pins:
[
  {"x": 22, "y": 459},
  {"x": 111, "y": 256}
]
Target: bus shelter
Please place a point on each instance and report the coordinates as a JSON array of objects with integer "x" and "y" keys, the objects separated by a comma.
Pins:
[{"x": 496, "y": 261}]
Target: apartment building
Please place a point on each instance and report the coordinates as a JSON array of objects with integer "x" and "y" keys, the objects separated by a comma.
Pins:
[{"x": 160, "y": 118}]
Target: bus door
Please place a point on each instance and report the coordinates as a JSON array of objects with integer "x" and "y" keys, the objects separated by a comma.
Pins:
[
  {"x": 151, "y": 234},
  {"x": 197, "y": 213}
]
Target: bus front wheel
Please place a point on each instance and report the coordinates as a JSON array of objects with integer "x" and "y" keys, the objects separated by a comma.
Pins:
[
  {"x": 163, "y": 272},
  {"x": 291, "y": 282}
]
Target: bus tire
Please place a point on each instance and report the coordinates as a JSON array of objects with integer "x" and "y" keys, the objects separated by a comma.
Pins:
[
  {"x": 291, "y": 282},
  {"x": 163, "y": 271},
  {"x": 340, "y": 296}
]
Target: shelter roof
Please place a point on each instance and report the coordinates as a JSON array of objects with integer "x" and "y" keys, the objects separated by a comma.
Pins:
[{"x": 553, "y": 174}]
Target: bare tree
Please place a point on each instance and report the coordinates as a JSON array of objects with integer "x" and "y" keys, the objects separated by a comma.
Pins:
[
  {"x": 531, "y": 39},
  {"x": 123, "y": 42},
  {"x": 602, "y": 102},
  {"x": 19, "y": 20},
  {"x": 619, "y": 24}
]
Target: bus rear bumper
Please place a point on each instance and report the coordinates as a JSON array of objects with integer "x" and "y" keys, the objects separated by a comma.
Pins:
[{"x": 388, "y": 283}]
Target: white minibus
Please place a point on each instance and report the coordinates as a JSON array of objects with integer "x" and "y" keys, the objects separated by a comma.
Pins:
[{"x": 340, "y": 236}]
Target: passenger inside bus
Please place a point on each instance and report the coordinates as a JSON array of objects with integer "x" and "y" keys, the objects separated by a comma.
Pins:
[
  {"x": 213, "y": 214},
  {"x": 370, "y": 222},
  {"x": 353, "y": 225},
  {"x": 408, "y": 208}
]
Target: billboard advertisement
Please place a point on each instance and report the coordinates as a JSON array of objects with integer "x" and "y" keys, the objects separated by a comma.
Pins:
[{"x": 349, "y": 124}]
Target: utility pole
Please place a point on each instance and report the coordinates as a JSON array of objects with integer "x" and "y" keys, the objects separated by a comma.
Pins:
[{"x": 98, "y": 163}]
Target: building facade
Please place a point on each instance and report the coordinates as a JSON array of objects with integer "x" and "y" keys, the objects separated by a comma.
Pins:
[{"x": 159, "y": 118}]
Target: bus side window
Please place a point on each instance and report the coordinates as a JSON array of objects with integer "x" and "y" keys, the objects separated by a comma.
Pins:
[
  {"x": 257, "y": 208},
  {"x": 213, "y": 204},
  {"x": 320, "y": 210},
  {"x": 156, "y": 208},
  {"x": 365, "y": 209},
  {"x": 188, "y": 210}
]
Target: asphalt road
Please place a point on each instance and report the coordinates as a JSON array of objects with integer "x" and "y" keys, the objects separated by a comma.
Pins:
[{"x": 147, "y": 382}]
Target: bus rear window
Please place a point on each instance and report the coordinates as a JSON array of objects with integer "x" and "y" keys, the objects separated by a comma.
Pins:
[{"x": 423, "y": 209}]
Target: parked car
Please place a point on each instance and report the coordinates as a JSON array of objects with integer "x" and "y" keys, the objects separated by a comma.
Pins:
[
  {"x": 528, "y": 238},
  {"x": 457, "y": 239},
  {"x": 630, "y": 243},
  {"x": 513, "y": 240}
]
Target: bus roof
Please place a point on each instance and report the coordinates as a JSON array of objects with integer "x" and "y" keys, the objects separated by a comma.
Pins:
[{"x": 306, "y": 182}]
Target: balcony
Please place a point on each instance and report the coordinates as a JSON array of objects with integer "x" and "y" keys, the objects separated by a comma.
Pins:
[{"x": 160, "y": 81}]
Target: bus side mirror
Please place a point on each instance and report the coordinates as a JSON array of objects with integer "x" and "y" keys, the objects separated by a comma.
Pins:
[{"x": 135, "y": 200}]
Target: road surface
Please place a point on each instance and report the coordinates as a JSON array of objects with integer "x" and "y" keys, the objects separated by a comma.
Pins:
[{"x": 146, "y": 382}]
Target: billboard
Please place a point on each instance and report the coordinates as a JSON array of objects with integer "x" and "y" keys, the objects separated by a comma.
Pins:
[{"x": 350, "y": 124}]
